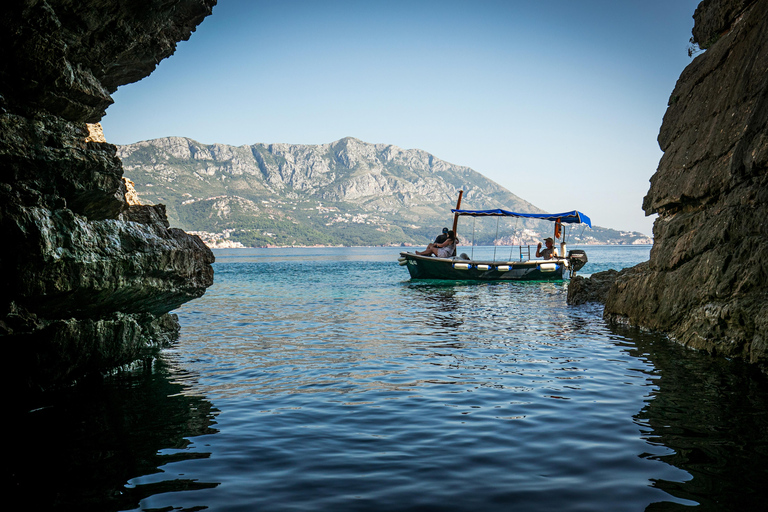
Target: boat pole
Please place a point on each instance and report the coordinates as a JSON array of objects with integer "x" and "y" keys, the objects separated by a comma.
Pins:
[
  {"x": 456, "y": 215},
  {"x": 455, "y": 225}
]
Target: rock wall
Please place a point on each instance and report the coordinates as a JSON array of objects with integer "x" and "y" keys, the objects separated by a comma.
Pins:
[
  {"x": 707, "y": 279},
  {"x": 86, "y": 279}
]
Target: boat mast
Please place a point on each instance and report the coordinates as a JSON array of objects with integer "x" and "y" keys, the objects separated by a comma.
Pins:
[{"x": 456, "y": 215}]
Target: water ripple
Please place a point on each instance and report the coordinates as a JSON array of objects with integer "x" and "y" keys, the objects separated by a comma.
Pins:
[{"x": 335, "y": 383}]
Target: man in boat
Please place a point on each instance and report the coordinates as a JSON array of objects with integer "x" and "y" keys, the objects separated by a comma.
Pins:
[
  {"x": 442, "y": 237},
  {"x": 547, "y": 253},
  {"x": 442, "y": 250}
]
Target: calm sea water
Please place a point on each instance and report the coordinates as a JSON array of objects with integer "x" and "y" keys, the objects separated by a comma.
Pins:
[{"x": 324, "y": 379}]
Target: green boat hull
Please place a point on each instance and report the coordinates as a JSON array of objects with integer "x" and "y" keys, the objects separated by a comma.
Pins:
[{"x": 428, "y": 267}]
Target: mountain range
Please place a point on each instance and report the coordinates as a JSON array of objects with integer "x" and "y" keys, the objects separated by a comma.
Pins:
[{"x": 347, "y": 192}]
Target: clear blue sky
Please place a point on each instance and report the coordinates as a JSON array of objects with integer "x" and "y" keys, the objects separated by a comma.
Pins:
[{"x": 559, "y": 101}]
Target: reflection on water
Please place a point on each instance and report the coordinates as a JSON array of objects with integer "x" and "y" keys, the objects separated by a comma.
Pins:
[
  {"x": 711, "y": 416},
  {"x": 335, "y": 383},
  {"x": 83, "y": 449}
]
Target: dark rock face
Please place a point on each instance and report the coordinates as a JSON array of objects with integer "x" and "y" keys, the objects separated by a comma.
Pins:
[
  {"x": 68, "y": 57},
  {"x": 86, "y": 279},
  {"x": 596, "y": 287},
  {"x": 707, "y": 279}
]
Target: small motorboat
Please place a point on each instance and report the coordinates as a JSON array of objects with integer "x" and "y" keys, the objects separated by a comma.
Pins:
[{"x": 561, "y": 265}]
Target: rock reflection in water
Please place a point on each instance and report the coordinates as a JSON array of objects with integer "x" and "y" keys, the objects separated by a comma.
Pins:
[
  {"x": 77, "y": 450},
  {"x": 712, "y": 414}
]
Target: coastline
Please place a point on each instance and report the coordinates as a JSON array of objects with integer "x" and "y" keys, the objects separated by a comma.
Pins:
[{"x": 404, "y": 246}]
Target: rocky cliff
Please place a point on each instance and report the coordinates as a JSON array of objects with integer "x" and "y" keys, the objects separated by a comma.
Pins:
[
  {"x": 707, "y": 279},
  {"x": 86, "y": 279},
  {"x": 347, "y": 192}
]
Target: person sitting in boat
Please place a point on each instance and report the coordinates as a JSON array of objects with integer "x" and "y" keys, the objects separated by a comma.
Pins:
[
  {"x": 442, "y": 237},
  {"x": 547, "y": 253},
  {"x": 442, "y": 250}
]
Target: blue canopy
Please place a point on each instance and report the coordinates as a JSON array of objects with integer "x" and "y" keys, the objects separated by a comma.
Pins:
[{"x": 573, "y": 217}]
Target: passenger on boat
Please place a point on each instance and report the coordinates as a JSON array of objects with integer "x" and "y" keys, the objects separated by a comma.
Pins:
[
  {"x": 547, "y": 253},
  {"x": 444, "y": 249},
  {"x": 442, "y": 237}
]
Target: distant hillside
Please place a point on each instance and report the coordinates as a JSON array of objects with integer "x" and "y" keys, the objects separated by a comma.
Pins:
[{"x": 347, "y": 192}]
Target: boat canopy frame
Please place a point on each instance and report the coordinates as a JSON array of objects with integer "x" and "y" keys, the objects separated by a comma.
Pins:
[{"x": 572, "y": 217}]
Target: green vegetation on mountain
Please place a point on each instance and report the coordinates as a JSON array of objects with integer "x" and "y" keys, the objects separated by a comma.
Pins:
[{"x": 344, "y": 193}]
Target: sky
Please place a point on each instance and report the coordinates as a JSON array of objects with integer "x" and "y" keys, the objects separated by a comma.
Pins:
[{"x": 558, "y": 101}]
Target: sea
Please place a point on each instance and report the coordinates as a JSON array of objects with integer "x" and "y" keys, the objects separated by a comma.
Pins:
[{"x": 325, "y": 379}]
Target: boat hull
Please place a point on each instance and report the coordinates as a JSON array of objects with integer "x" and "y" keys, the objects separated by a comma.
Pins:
[{"x": 428, "y": 267}]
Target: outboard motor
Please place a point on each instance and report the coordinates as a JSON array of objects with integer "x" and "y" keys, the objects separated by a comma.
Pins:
[{"x": 578, "y": 259}]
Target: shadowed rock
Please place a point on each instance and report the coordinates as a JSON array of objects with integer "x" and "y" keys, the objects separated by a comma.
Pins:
[
  {"x": 86, "y": 279},
  {"x": 596, "y": 287}
]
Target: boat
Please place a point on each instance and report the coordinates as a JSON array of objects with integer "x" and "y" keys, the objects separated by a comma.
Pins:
[{"x": 561, "y": 266}]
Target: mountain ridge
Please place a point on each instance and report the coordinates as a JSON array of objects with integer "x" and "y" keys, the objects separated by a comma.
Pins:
[{"x": 346, "y": 192}]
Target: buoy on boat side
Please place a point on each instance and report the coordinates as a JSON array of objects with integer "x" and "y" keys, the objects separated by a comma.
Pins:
[
  {"x": 462, "y": 266},
  {"x": 503, "y": 268},
  {"x": 548, "y": 267},
  {"x": 483, "y": 267}
]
